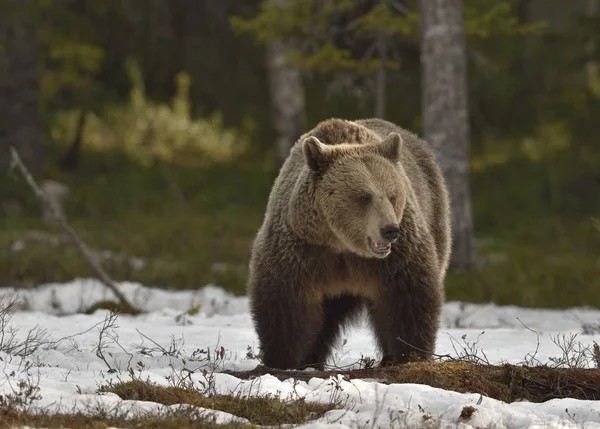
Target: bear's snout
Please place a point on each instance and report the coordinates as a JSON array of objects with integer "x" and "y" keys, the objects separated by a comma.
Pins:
[{"x": 390, "y": 232}]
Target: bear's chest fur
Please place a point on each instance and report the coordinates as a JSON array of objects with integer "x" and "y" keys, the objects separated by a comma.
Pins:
[{"x": 343, "y": 274}]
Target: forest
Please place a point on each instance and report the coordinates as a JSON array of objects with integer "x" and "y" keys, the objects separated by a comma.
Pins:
[{"x": 160, "y": 126}]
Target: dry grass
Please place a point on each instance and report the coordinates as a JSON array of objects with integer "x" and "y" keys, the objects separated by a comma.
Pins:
[
  {"x": 13, "y": 419},
  {"x": 503, "y": 382},
  {"x": 507, "y": 383},
  {"x": 261, "y": 410}
]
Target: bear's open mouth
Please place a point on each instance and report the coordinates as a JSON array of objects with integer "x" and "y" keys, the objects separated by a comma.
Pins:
[{"x": 380, "y": 249}]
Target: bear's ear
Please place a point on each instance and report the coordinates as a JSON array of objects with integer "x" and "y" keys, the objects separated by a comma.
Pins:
[
  {"x": 390, "y": 147},
  {"x": 316, "y": 154}
]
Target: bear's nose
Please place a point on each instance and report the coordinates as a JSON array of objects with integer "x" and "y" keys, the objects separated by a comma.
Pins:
[{"x": 390, "y": 232}]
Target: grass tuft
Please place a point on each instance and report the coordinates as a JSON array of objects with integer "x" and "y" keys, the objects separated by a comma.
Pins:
[
  {"x": 507, "y": 382},
  {"x": 115, "y": 307},
  {"x": 260, "y": 410},
  {"x": 467, "y": 412}
]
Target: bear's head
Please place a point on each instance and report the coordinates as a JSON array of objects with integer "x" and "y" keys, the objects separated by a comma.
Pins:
[{"x": 360, "y": 192}]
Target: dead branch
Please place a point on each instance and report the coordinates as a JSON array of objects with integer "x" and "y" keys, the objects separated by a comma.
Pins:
[
  {"x": 104, "y": 334},
  {"x": 62, "y": 222}
]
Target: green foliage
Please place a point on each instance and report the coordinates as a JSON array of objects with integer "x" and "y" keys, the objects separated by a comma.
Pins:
[
  {"x": 181, "y": 318},
  {"x": 329, "y": 59},
  {"x": 317, "y": 24},
  {"x": 151, "y": 132},
  {"x": 115, "y": 307},
  {"x": 382, "y": 19},
  {"x": 74, "y": 60},
  {"x": 275, "y": 20},
  {"x": 314, "y": 23},
  {"x": 533, "y": 209},
  {"x": 74, "y": 52},
  {"x": 190, "y": 225},
  {"x": 493, "y": 18}
]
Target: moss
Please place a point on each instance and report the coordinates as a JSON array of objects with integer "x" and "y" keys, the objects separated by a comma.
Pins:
[
  {"x": 116, "y": 307},
  {"x": 467, "y": 412},
  {"x": 503, "y": 382},
  {"x": 262, "y": 410}
]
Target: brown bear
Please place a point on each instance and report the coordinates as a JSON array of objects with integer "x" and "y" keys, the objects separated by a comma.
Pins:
[{"x": 358, "y": 217}]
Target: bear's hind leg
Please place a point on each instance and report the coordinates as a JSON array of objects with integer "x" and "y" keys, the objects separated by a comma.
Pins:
[{"x": 338, "y": 311}]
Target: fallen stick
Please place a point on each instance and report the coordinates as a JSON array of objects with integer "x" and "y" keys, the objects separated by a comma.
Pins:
[
  {"x": 300, "y": 375},
  {"x": 62, "y": 222}
]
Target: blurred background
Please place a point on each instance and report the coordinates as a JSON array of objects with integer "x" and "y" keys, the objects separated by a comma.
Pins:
[{"x": 160, "y": 125}]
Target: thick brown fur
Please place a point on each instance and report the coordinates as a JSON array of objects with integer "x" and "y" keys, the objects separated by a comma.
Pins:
[{"x": 312, "y": 270}]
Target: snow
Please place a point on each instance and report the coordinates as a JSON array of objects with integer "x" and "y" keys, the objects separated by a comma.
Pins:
[{"x": 69, "y": 371}]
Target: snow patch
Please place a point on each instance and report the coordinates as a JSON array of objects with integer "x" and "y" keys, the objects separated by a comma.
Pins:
[{"x": 162, "y": 347}]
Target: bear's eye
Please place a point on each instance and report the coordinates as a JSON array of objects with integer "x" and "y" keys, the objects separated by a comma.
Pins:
[
  {"x": 393, "y": 200},
  {"x": 364, "y": 200}
]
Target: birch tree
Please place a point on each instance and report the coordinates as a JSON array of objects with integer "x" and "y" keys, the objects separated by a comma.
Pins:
[
  {"x": 445, "y": 112},
  {"x": 287, "y": 95}
]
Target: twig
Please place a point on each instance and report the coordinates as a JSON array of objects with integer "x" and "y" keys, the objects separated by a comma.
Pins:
[
  {"x": 60, "y": 218},
  {"x": 531, "y": 358},
  {"x": 164, "y": 351},
  {"x": 103, "y": 333},
  {"x": 10, "y": 343}
]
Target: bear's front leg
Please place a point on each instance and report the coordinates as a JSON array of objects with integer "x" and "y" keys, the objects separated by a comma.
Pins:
[
  {"x": 337, "y": 312},
  {"x": 406, "y": 314},
  {"x": 286, "y": 321}
]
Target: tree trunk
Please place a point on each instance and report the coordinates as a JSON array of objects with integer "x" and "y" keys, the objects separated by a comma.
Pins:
[
  {"x": 19, "y": 86},
  {"x": 591, "y": 67},
  {"x": 381, "y": 79},
  {"x": 71, "y": 159},
  {"x": 445, "y": 112},
  {"x": 179, "y": 11},
  {"x": 287, "y": 96}
]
